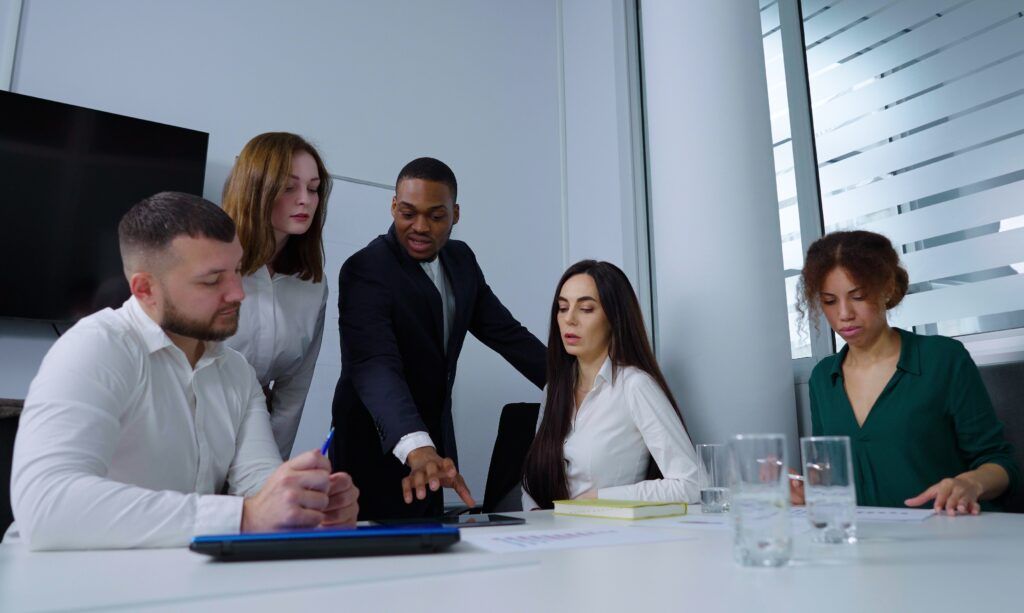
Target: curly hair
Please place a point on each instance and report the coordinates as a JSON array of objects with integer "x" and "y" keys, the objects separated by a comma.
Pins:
[{"x": 868, "y": 258}]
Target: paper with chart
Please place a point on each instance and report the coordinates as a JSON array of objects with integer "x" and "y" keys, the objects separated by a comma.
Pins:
[
  {"x": 720, "y": 521},
  {"x": 880, "y": 514},
  {"x": 547, "y": 540},
  {"x": 715, "y": 521}
]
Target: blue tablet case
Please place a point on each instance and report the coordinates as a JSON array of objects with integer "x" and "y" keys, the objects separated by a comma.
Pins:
[{"x": 327, "y": 542}]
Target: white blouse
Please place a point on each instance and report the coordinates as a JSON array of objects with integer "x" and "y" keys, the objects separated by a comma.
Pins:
[
  {"x": 620, "y": 424},
  {"x": 280, "y": 326}
]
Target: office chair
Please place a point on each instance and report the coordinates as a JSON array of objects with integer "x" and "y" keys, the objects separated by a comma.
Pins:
[
  {"x": 9, "y": 413},
  {"x": 516, "y": 428},
  {"x": 1005, "y": 385}
]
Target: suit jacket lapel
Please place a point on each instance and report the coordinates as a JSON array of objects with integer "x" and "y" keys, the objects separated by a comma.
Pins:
[{"x": 425, "y": 288}]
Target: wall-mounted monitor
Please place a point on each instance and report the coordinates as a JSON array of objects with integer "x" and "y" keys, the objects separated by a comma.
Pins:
[{"x": 67, "y": 175}]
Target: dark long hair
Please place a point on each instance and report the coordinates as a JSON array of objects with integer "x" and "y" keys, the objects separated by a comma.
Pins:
[{"x": 544, "y": 476}]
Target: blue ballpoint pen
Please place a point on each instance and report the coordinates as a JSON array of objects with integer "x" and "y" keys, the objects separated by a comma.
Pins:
[{"x": 327, "y": 443}]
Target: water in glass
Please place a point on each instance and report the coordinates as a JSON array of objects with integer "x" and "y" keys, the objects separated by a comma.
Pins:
[
  {"x": 714, "y": 499},
  {"x": 761, "y": 522}
]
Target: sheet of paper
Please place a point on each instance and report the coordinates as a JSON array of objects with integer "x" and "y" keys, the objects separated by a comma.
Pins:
[
  {"x": 546, "y": 540},
  {"x": 721, "y": 521},
  {"x": 880, "y": 514}
]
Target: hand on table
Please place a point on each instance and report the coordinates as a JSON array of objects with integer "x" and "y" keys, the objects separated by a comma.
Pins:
[
  {"x": 427, "y": 469},
  {"x": 955, "y": 495}
]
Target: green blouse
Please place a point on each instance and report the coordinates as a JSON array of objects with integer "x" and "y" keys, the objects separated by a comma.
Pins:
[{"x": 933, "y": 420}]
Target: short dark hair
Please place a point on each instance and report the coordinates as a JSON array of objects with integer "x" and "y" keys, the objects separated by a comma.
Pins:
[
  {"x": 430, "y": 169},
  {"x": 152, "y": 223}
]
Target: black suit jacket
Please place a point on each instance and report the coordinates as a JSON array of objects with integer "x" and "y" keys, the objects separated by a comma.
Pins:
[{"x": 396, "y": 378}]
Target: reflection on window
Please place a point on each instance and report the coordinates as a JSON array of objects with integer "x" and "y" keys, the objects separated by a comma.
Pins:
[
  {"x": 785, "y": 178},
  {"x": 918, "y": 113}
]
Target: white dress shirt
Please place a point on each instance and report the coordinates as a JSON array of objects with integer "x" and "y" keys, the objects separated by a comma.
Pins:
[
  {"x": 123, "y": 444},
  {"x": 620, "y": 424},
  {"x": 436, "y": 273},
  {"x": 280, "y": 326}
]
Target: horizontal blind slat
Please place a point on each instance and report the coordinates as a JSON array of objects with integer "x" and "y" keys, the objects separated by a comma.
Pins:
[
  {"x": 839, "y": 16},
  {"x": 971, "y": 211},
  {"x": 1001, "y": 295},
  {"x": 966, "y": 256},
  {"x": 971, "y": 167},
  {"x": 984, "y": 86},
  {"x": 952, "y": 26},
  {"x": 769, "y": 18},
  {"x": 997, "y": 120},
  {"x": 888, "y": 22},
  {"x": 953, "y": 63}
]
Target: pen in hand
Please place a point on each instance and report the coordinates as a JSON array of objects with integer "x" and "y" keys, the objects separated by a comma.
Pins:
[{"x": 327, "y": 443}]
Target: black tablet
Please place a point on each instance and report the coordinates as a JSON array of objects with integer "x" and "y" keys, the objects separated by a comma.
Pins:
[
  {"x": 328, "y": 543},
  {"x": 477, "y": 520}
]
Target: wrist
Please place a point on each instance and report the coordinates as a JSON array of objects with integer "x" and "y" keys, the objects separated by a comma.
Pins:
[
  {"x": 975, "y": 483},
  {"x": 246, "y": 515},
  {"x": 421, "y": 455}
]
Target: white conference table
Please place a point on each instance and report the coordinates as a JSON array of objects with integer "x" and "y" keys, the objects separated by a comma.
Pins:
[{"x": 942, "y": 564}]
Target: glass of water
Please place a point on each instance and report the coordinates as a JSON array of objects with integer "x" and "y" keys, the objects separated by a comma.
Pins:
[
  {"x": 713, "y": 475},
  {"x": 829, "y": 491},
  {"x": 759, "y": 491}
]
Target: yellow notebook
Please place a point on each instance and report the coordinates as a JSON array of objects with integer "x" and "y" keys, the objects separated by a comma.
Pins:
[{"x": 619, "y": 509}]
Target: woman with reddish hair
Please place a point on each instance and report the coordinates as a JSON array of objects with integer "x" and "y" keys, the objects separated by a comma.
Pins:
[
  {"x": 277, "y": 196},
  {"x": 921, "y": 425}
]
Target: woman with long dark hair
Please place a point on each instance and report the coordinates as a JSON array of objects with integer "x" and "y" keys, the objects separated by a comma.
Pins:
[{"x": 608, "y": 419}]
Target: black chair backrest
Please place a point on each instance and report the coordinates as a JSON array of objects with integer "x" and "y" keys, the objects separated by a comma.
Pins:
[
  {"x": 1005, "y": 384},
  {"x": 516, "y": 428},
  {"x": 8, "y": 428}
]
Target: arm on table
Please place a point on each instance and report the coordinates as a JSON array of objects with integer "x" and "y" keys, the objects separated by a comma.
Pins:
[
  {"x": 668, "y": 444},
  {"x": 980, "y": 438},
  {"x": 67, "y": 436}
]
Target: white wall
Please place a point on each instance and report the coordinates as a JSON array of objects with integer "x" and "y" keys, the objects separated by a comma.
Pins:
[
  {"x": 599, "y": 153},
  {"x": 720, "y": 301},
  {"x": 375, "y": 84}
]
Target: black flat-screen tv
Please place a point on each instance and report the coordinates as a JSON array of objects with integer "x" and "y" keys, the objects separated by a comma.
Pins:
[{"x": 67, "y": 175}]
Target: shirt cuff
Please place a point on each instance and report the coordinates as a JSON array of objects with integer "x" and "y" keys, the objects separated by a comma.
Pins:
[
  {"x": 413, "y": 440},
  {"x": 619, "y": 492},
  {"x": 219, "y": 515}
]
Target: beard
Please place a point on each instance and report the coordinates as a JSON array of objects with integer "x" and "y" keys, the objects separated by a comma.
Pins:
[{"x": 176, "y": 322}]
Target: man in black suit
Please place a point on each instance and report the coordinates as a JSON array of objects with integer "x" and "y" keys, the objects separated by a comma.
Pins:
[{"x": 406, "y": 302}]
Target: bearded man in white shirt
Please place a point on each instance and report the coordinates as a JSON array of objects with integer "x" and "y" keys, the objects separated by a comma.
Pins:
[{"x": 139, "y": 419}]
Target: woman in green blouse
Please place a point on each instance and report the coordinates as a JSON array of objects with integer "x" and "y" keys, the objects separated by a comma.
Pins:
[{"x": 920, "y": 421}]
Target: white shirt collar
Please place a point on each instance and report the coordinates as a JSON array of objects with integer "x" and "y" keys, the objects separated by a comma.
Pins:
[
  {"x": 604, "y": 375},
  {"x": 154, "y": 337},
  {"x": 606, "y": 372}
]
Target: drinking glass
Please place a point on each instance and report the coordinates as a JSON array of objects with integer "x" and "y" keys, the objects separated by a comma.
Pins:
[
  {"x": 829, "y": 490},
  {"x": 713, "y": 476},
  {"x": 759, "y": 488}
]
